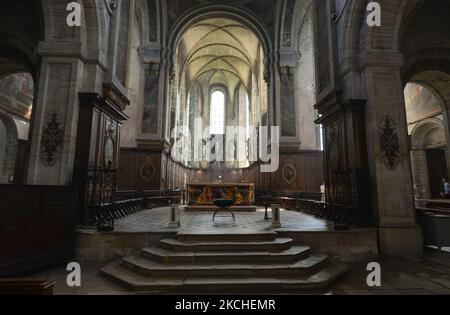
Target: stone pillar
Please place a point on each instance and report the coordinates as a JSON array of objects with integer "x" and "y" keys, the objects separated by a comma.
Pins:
[
  {"x": 276, "y": 216},
  {"x": 151, "y": 141},
  {"x": 174, "y": 216},
  {"x": 446, "y": 116},
  {"x": 420, "y": 173},
  {"x": 55, "y": 121},
  {"x": 389, "y": 157},
  {"x": 150, "y": 123}
]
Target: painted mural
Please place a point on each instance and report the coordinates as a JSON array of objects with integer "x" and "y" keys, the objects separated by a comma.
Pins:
[
  {"x": 420, "y": 102},
  {"x": 16, "y": 94}
]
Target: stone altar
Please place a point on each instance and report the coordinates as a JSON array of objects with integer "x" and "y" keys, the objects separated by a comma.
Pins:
[{"x": 201, "y": 196}]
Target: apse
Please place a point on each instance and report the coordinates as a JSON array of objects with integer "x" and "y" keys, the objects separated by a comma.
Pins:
[{"x": 219, "y": 88}]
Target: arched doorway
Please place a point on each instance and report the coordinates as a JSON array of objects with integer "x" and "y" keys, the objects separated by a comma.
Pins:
[
  {"x": 426, "y": 128},
  {"x": 426, "y": 74}
]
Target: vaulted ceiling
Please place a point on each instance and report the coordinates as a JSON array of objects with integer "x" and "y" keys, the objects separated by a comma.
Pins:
[{"x": 219, "y": 51}]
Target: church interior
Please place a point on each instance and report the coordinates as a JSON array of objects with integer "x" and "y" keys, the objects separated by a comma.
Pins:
[{"x": 211, "y": 147}]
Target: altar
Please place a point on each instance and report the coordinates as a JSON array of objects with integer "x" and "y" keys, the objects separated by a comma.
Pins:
[{"x": 201, "y": 196}]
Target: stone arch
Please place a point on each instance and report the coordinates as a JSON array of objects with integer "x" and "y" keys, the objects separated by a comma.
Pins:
[
  {"x": 427, "y": 135},
  {"x": 224, "y": 11},
  {"x": 19, "y": 39},
  {"x": 302, "y": 12},
  {"x": 356, "y": 36},
  {"x": 89, "y": 34},
  {"x": 421, "y": 136},
  {"x": 436, "y": 82},
  {"x": 387, "y": 36},
  {"x": 370, "y": 67},
  {"x": 9, "y": 146},
  {"x": 96, "y": 38},
  {"x": 148, "y": 16}
]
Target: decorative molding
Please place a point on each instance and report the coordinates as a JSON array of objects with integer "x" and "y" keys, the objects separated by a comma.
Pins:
[
  {"x": 289, "y": 71},
  {"x": 154, "y": 145},
  {"x": 148, "y": 170},
  {"x": 110, "y": 146},
  {"x": 389, "y": 143},
  {"x": 113, "y": 94},
  {"x": 103, "y": 105},
  {"x": 333, "y": 149},
  {"x": 172, "y": 74},
  {"x": 289, "y": 173},
  {"x": 52, "y": 141},
  {"x": 111, "y": 6}
]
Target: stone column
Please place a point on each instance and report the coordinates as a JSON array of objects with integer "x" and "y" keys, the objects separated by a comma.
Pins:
[
  {"x": 389, "y": 157},
  {"x": 446, "y": 116},
  {"x": 151, "y": 121},
  {"x": 420, "y": 173},
  {"x": 55, "y": 121}
]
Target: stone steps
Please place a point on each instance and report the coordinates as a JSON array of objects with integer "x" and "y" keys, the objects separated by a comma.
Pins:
[
  {"x": 150, "y": 268},
  {"x": 213, "y": 257},
  {"x": 278, "y": 244},
  {"x": 253, "y": 262},
  {"x": 318, "y": 281},
  {"x": 227, "y": 237}
]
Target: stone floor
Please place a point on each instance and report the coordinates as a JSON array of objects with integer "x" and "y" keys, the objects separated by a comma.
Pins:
[
  {"x": 156, "y": 220},
  {"x": 429, "y": 274}
]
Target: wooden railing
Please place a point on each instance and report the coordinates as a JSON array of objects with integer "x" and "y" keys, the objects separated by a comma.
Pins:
[
  {"x": 312, "y": 204},
  {"x": 131, "y": 202},
  {"x": 101, "y": 204}
]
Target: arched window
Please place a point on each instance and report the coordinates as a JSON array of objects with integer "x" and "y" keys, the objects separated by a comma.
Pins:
[{"x": 217, "y": 124}]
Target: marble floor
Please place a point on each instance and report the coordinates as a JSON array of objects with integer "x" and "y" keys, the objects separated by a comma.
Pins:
[
  {"x": 156, "y": 220},
  {"x": 426, "y": 275}
]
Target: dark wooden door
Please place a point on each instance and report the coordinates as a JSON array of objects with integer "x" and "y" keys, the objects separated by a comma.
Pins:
[{"x": 437, "y": 169}]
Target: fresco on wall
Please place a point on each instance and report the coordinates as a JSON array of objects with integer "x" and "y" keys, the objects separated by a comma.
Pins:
[
  {"x": 150, "y": 119},
  {"x": 16, "y": 94},
  {"x": 420, "y": 102},
  {"x": 288, "y": 118}
]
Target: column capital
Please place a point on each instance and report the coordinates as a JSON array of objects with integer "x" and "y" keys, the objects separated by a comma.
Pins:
[{"x": 150, "y": 54}]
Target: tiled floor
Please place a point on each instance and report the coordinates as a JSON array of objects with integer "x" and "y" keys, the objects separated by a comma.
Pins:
[
  {"x": 429, "y": 274},
  {"x": 157, "y": 220}
]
